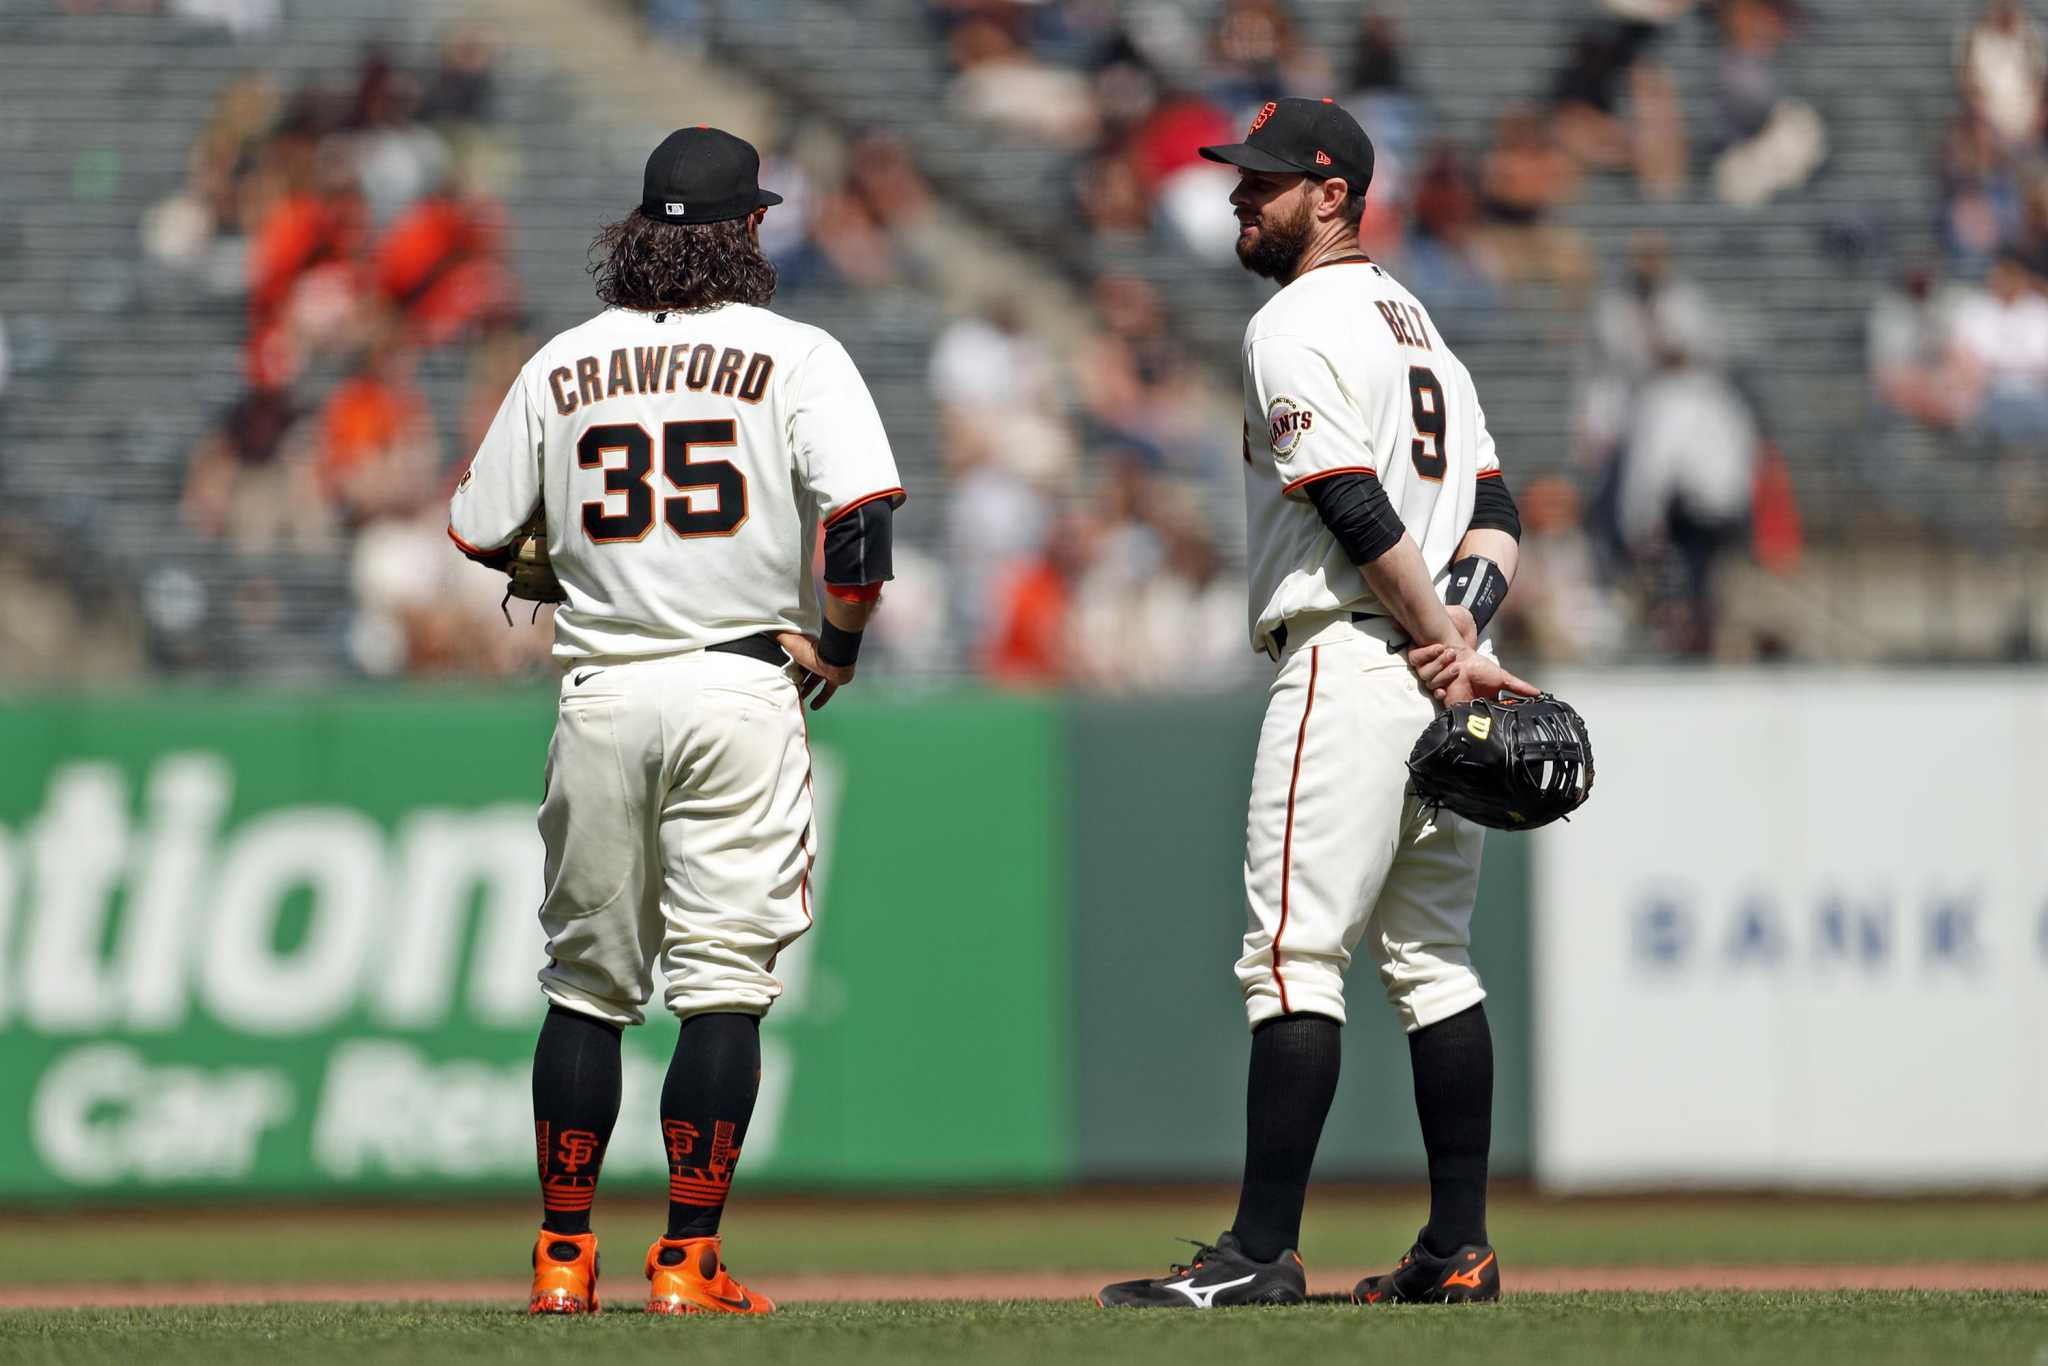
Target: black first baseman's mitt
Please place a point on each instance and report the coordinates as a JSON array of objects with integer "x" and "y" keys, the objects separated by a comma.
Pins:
[{"x": 1512, "y": 764}]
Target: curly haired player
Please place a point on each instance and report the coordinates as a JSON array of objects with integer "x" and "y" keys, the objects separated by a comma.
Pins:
[
  {"x": 1369, "y": 480},
  {"x": 684, "y": 448}
]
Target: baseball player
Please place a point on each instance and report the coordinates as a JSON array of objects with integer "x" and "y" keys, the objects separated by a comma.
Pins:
[
  {"x": 1372, "y": 494},
  {"x": 686, "y": 445}
]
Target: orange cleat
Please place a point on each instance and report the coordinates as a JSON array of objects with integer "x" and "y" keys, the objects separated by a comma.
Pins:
[
  {"x": 686, "y": 1276},
  {"x": 564, "y": 1274}
]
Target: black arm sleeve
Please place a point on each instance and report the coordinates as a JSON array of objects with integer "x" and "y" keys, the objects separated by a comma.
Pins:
[
  {"x": 857, "y": 545},
  {"x": 1356, "y": 510},
  {"x": 1493, "y": 508}
]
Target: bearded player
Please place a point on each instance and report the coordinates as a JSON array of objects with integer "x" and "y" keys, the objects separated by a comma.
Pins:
[
  {"x": 1372, "y": 496},
  {"x": 685, "y": 445}
]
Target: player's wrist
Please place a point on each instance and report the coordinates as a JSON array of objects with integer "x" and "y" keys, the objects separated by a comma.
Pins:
[{"x": 839, "y": 646}]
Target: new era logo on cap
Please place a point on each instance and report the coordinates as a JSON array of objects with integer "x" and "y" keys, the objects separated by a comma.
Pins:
[{"x": 1322, "y": 157}]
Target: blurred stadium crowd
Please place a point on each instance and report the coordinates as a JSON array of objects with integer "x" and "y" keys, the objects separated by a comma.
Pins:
[{"x": 1076, "y": 520}]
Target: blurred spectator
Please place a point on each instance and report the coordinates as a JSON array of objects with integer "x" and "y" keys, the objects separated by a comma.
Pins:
[
  {"x": 1688, "y": 475},
  {"x": 998, "y": 81},
  {"x": 2000, "y": 65},
  {"x": 397, "y": 159},
  {"x": 1650, "y": 310},
  {"x": 1188, "y": 616},
  {"x": 1523, "y": 181},
  {"x": 989, "y": 361},
  {"x": 1151, "y": 609},
  {"x": 463, "y": 85},
  {"x": 1137, "y": 386},
  {"x": 999, "y": 397},
  {"x": 1587, "y": 114},
  {"x": 1441, "y": 260},
  {"x": 1980, "y": 194},
  {"x": 377, "y": 451},
  {"x": 1909, "y": 351},
  {"x": 2001, "y": 355},
  {"x": 182, "y": 229},
  {"x": 439, "y": 267},
  {"x": 1771, "y": 143},
  {"x": 249, "y": 483},
  {"x": 874, "y": 229},
  {"x": 1111, "y": 196},
  {"x": 994, "y": 522},
  {"x": 1561, "y": 611},
  {"x": 304, "y": 286},
  {"x": 1257, "y": 54},
  {"x": 1029, "y": 643},
  {"x": 1191, "y": 195},
  {"x": 1380, "y": 99},
  {"x": 245, "y": 20},
  {"x": 422, "y": 611}
]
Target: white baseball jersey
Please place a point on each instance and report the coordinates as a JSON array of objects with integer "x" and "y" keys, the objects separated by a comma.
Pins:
[
  {"x": 1344, "y": 371},
  {"x": 686, "y": 461}
]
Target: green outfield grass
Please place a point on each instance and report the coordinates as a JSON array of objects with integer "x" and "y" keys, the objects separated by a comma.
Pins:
[
  {"x": 1587, "y": 1330},
  {"x": 771, "y": 1237}
]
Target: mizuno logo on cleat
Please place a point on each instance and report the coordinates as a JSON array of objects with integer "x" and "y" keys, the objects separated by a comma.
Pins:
[
  {"x": 1204, "y": 1296},
  {"x": 1468, "y": 1279}
]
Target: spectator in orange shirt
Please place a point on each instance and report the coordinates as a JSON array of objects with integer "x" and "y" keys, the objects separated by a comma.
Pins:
[
  {"x": 377, "y": 444},
  {"x": 440, "y": 270}
]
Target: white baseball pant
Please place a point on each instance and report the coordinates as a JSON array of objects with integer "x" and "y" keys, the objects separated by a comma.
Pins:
[
  {"x": 1335, "y": 848},
  {"x": 678, "y": 825}
]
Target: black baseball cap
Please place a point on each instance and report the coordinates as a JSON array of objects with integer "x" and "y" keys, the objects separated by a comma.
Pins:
[
  {"x": 703, "y": 175},
  {"x": 1315, "y": 137}
]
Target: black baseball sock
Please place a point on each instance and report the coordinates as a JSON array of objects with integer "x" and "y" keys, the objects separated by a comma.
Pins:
[
  {"x": 1295, "y": 1060},
  {"x": 1453, "y": 1062},
  {"x": 575, "y": 1104},
  {"x": 706, "y": 1101}
]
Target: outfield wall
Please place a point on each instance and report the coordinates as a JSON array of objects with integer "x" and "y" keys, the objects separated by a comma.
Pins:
[{"x": 287, "y": 944}]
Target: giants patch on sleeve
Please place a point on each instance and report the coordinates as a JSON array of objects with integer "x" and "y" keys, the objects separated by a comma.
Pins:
[{"x": 1288, "y": 424}]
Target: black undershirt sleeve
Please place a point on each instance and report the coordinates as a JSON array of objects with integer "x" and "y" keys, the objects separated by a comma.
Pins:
[
  {"x": 1493, "y": 508},
  {"x": 1357, "y": 511},
  {"x": 857, "y": 545}
]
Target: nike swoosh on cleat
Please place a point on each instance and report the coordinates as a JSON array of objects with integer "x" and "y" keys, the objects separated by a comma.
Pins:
[
  {"x": 742, "y": 1304},
  {"x": 1204, "y": 1296}
]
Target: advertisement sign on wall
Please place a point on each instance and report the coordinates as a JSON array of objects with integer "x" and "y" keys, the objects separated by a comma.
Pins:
[
  {"x": 1796, "y": 937},
  {"x": 278, "y": 946}
]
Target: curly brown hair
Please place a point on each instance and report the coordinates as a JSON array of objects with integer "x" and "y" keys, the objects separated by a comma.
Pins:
[{"x": 646, "y": 264}]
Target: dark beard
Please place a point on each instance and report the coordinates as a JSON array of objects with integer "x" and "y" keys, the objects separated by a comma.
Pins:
[{"x": 1277, "y": 250}]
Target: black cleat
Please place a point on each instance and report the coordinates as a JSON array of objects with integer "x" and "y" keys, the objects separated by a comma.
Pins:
[
  {"x": 1471, "y": 1275},
  {"x": 1219, "y": 1276}
]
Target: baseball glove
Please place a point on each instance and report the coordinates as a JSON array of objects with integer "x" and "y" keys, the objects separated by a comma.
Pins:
[
  {"x": 532, "y": 577},
  {"x": 529, "y": 576},
  {"x": 1515, "y": 763}
]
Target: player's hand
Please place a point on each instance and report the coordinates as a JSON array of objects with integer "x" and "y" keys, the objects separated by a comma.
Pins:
[
  {"x": 827, "y": 678},
  {"x": 1468, "y": 631},
  {"x": 1455, "y": 676}
]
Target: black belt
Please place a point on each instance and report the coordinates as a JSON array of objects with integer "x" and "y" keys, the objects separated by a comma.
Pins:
[
  {"x": 1280, "y": 631},
  {"x": 764, "y": 647}
]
